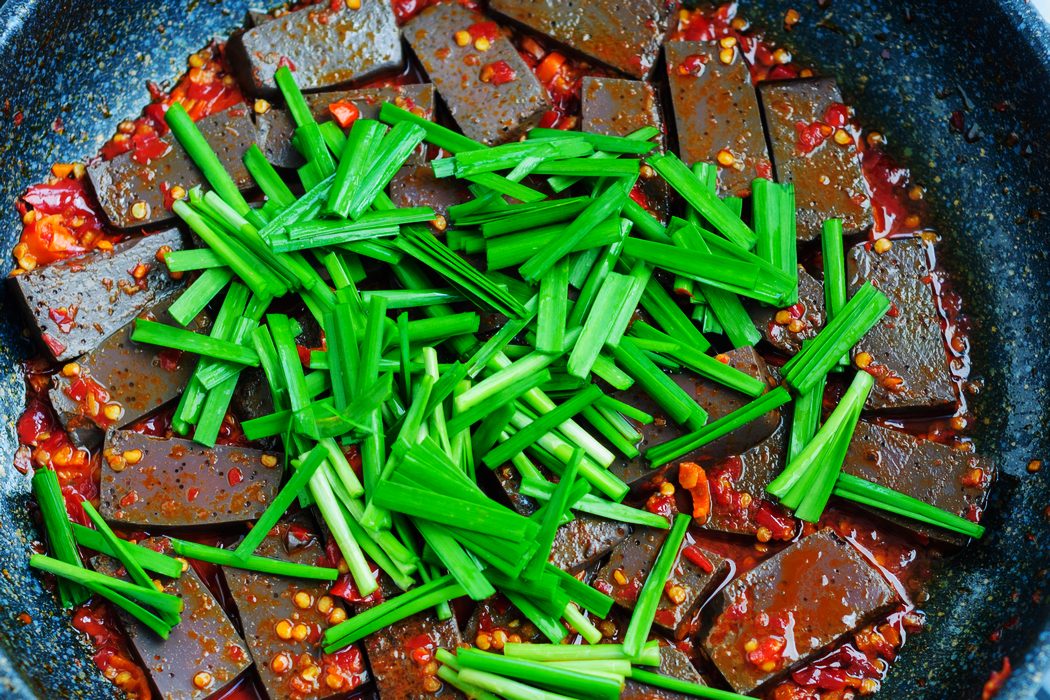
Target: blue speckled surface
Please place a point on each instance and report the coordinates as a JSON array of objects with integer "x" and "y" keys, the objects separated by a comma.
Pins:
[{"x": 90, "y": 65}]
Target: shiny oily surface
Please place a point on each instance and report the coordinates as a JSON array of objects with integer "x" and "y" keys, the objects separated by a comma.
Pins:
[{"x": 892, "y": 63}]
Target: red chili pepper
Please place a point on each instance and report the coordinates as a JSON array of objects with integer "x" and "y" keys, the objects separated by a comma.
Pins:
[
  {"x": 346, "y": 113},
  {"x": 695, "y": 555}
]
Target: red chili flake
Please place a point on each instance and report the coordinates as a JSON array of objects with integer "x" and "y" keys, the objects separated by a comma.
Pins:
[
  {"x": 764, "y": 168},
  {"x": 235, "y": 476},
  {"x": 769, "y": 649},
  {"x": 18, "y": 118},
  {"x": 956, "y": 123},
  {"x": 304, "y": 355},
  {"x": 345, "y": 112},
  {"x": 695, "y": 555},
  {"x": 285, "y": 61},
  {"x": 604, "y": 587},
  {"x": 692, "y": 64},
  {"x": 56, "y": 347},
  {"x": 894, "y": 312},
  {"x": 192, "y": 494},
  {"x": 148, "y": 147},
  {"x": 833, "y": 671},
  {"x": 57, "y": 126},
  {"x": 497, "y": 73},
  {"x": 169, "y": 359},
  {"x": 419, "y": 641},
  {"x": 810, "y": 136},
  {"x": 128, "y": 499},
  {"x": 421, "y": 656},
  {"x": 234, "y": 652},
  {"x": 155, "y": 115},
  {"x": 837, "y": 114},
  {"x": 665, "y": 617},
  {"x": 488, "y": 30},
  {"x": 996, "y": 680},
  {"x": 336, "y": 5},
  {"x": 64, "y": 318},
  {"x": 548, "y": 120}
]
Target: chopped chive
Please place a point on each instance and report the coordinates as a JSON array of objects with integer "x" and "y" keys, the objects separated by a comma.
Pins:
[
  {"x": 787, "y": 249},
  {"x": 765, "y": 202},
  {"x": 702, "y": 364},
  {"x": 580, "y": 593},
  {"x": 616, "y": 669},
  {"x": 447, "y": 674},
  {"x": 826, "y": 472},
  {"x": 465, "y": 418},
  {"x": 161, "y": 602},
  {"x": 547, "y": 623},
  {"x": 636, "y": 143},
  {"x": 615, "y": 437},
  {"x": 587, "y": 167},
  {"x": 155, "y": 333},
  {"x": 505, "y": 186},
  {"x": 572, "y": 683},
  {"x": 834, "y": 272},
  {"x": 506, "y": 688},
  {"x": 280, "y": 504},
  {"x": 649, "y": 655},
  {"x": 716, "y": 270},
  {"x": 500, "y": 380},
  {"x": 197, "y": 259},
  {"x": 600, "y": 321},
  {"x": 539, "y": 427},
  {"x": 818, "y": 356},
  {"x": 645, "y": 223},
  {"x": 389, "y": 612},
  {"x": 429, "y": 505},
  {"x": 805, "y": 420},
  {"x": 147, "y": 558},
  {"x": 192, "y": 301},
  {"x": 550, "y": 322},
  {"x": 639, "y": 277},
  {"x": 436, "y": 134},
  {"x": 676, "y": 685},
  {"x": 391, "y": 154},
  {"x": 356, "y": 157},
  {"x": 522, "y": 217},
  {"x": 414, "y": 298},
  {"x": 789, "y": 485},
  {"x": 369, "y": 221},
  {"x": 668, "y": 395},
  {"x": 269, "y": 181},
  {"x": 603, "y": 207},
  {"x": 583, "y": 626},
  {"x": 556, "y": 506},
  {"x": 315, "y": 150},
  {"x": 666, "y": 312},
  {"x": 704, "y": 201},
  {"x": 509, "y": 155},
  {"x": 305, "y": 208},
  {"x": 513, "y": 249},
  {"x": 201, "y": 153},
  {"x": 49, "y": 497},
  {"x": 130, "y": 563},
  {"x": 581, "y": 264},
  {"x": 451, "y": 554},
  {"x": 224, "y": 557},
  {"x": 155, "y": 623},
  {"x": 664, "y": 453},
  {"x": 652, "y": 590},
  {"x": 874, "y": 495}
]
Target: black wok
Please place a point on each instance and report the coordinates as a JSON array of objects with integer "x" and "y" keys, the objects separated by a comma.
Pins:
[{"x": 88, "y": 63}]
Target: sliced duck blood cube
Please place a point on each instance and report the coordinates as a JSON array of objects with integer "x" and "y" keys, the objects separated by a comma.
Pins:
[
  {"x": 736, "y": 488},
  {"x": 623, "y": 36},
  {"x": 813, "y": 147},
  {"x": 488, "y": 88},
  {"x": 495, "y": 621},
  {"x": 958, "y": 481},
  {"x": 276, "y": 127},
  {"x": 905, "y": 350},
  {"x": 203, "y": 654},
  {"x": 694, "y": 576},
  {"x": 135, "y": 190},
  {"x": 787, "y": 328},
  {"x": 121, "y": 381},
  {"x": 71, "y": 307},
  {"x": 578, "y": 543},
  {"x": 416, "y": 186},
  {"x": 716, "y": 113},
  {"x": 175, "y": 483},
  {"x": 321, "y": 46},
  {"x": 617, "y": 107},
  {"x": 284, "y": 618},
  {"x": 791, "y": 608},
  {"x": 718, "y": 400},
  {"x": 673, "y": 664},
  {"x": 401, "y": 655}
]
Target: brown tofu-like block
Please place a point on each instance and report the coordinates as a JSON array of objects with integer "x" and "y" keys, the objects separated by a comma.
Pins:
[
  {"x": 810, "y": 312},
  {"x": 121, "y": 182},
  {"x": 673, "y": 664},
  {"x": 718, "y": 400},
  {"x": 181, "y": 483},
  {"x": 140, "y": 378},
  {"x": 398, "y": 676},
  {"x": 326, "y": 48},
  {"x": 929, "y": 471},
  {"x": 624, "y": 36},
  {"x": 716, "y": 109},
  {"x": 578, "y": 543},
  {"x": 276, "y": 126},
  {"x": 263, "y": 601},
  {"x": 816, "y": 592},
  {"x": 744, "y": 477},
  {"x": 785, "y": 103},
  {"x": 909, "y": 357},
  {"x": 490, "y": 114},
  {"x": 497, "y": 613},
  {"x": 416, "y": 186},
  {"x": 634, "y": 558},
  {"x": 204, "y": 640},
  {"x": 620, "y": 107},
  {"x": 101, "y": 288}
]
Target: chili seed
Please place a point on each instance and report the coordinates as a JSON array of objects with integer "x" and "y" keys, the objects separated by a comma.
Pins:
[
  {"x": 791, "y": 18},
  {"x": 462, "y": 37},
  {"x": 483, "y": 641},
  {"x": 666, "y": 488},
  {"x": 482, "y": 44},
  {"x": 337, "y": 616},
  {"x": 499, "y": 639},
  {"x": 202, "y": 680},
  {"x": 726, "y": 56},
  {"x": 431, "y": 684},
  {"x": 725, "y": 158},
  {"x": 71, "y": 370},
  {"x": 300, "y": 632},
  {"x": 882, "y": 245},
  {"x": 280, "y": 663},
  {"x": 268, "y": 461},
  {"x": 1035, "y": 465},
  {"x": 113, "y": 411},
  {"x": 782, "y": 56},
  {"x": 283, "y": 629},
  {"x": 325, "y": 605},
  {"x": 140, "y": 210},
  {"x": 303, "y": 600},
  {"x": 619, "y": 577},
  {"x": 764, "y": 534},
  {"x": 842, "y": 137},
  {"x": 862, "y": 360}
]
